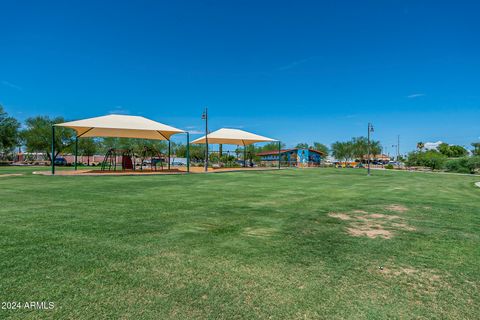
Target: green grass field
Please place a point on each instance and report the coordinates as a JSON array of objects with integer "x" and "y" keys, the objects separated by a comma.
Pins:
[{"x": 289, "y": 244}]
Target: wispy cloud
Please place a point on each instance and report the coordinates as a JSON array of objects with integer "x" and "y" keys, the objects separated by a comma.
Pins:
[
  {"x": 11, "y": 85},
  {"x": 119, "y": 110},
  {"x": 294, "y": 64},
  {"x": 196, "y": 132},
  {"x": 416, "y": 95}
]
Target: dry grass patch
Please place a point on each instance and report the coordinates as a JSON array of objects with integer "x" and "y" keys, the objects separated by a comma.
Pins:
[
  {"x": 420, "y": 280},
  {"x": 369, "y": 230},
  {"x": 373, "y": 225},
  {"x": 341, "y": 216},
  {"x": 396, "y": 208}
]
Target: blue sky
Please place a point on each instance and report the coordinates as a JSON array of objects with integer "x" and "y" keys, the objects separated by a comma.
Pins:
[{"x": 293, "y": 70}]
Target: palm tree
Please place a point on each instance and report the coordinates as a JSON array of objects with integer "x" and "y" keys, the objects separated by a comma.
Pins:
[
  {"x": 476, "y": 151},
  {"x": 420, "y": 145},
  {"x": 360, "y": 147},
  {"x": 375, "y": 148}
]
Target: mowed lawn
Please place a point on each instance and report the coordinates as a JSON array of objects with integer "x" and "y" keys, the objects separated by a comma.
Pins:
[{"x": 289, "y": 244}]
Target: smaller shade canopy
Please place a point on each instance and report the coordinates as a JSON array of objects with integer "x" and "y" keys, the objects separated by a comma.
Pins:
[
  {"x": 232, "y": 136},
  {"x": 121, "y": 126}
]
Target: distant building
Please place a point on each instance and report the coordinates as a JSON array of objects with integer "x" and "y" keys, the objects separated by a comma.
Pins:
[
  {"x": 292, "y": 157},
  {"x": 377, "y": 158},
  {"x": 432, "y": 145}
]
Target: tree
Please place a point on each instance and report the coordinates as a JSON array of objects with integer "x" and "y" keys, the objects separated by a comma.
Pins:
[
  {"x": 359, "y": 147},
  {"x": 272, "y": 146},
  {"x": 302, "y": 145},
  {"x": 87, "y": 148},
  {"x": 197, "y": 152},
  {"x": 321, "y": 147},
  {"x": 375, "y": 147},
  {"x": 342, "y": 150},
  {"x": 38, "y": 136},
  {"x": 9, "y": 135},
  {"x": 444, "y": 149},
  {"x": 434, "y": 160},
  {"x": 476, "y": 146},
  {"x": 452, "y": 151},
  {"x": 458, "y": 151}
]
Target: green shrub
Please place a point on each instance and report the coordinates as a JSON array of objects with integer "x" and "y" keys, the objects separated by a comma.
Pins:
[
  {"x": 389, "y": 166},
  {"x": 457, "y": 165},
  {"x": 474, "y": 164},
  {"x": 463, "y": 164},
  {"x": 431, "y": 158}
]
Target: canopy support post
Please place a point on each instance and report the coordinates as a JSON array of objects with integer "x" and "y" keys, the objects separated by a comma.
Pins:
[
  {"x": 52, "y": 156},
  {"x": 188, "y": 152},
  {"x": 279, "y": 149},
  {"x": 169, "y": 153},
  {"x": 76, "y": 151},
  {"x": 244, "y": 155}
]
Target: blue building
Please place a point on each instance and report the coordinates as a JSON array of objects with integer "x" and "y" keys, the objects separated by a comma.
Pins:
[{"x": 292, "y": 157}]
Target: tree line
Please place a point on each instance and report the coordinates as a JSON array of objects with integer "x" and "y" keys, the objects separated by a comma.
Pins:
[
  {"x": 453, "y": 158},
  {"x": 357, "y": 148}
]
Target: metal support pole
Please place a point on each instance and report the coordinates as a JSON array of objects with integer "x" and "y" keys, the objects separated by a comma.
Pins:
[
  {"x": 76, "y": 151},
  {"x": 205, "y": 116},
  {"x": 188, "y": 152},
  {"x": 52, "y": 156},
  {"x": 370, "y": 129},
  {"x": 368, "y": 151},
  {"x": 279, "y": 149},
  {"x": 244, "y": 155},
  {"x": 169, "y": 153}
]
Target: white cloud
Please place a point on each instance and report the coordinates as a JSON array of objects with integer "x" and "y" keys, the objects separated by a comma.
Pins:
[
  {"x": 119, "y": 110},
  {"x": 11, "y": 85},
  {"x": 416, "y": 95}
]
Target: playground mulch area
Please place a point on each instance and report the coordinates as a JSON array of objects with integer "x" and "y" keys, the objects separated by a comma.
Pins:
[{"x": 321, "y": 243}]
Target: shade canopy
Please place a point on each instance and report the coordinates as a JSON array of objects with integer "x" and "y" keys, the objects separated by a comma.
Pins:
[
  {"x": 232, "y": 136},
  {"x": 121, "y": 126}
]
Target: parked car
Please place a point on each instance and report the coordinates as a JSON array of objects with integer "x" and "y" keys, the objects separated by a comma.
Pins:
[{"x": 59, "y": 161}]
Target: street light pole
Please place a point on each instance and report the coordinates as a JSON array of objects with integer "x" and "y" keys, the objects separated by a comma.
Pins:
[
  {"x": 370, "y": 129},
  {"x": 205, "y": 117}
]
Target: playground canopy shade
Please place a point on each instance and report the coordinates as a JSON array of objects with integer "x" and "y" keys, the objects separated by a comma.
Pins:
[
  {"x": 121, "y": 126},
  {"x": 232, "y": 136}
]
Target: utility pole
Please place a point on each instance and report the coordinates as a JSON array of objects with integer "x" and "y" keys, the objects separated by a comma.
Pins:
[
  {"x": 205, "y": 117},
  {"x": 370, "y": 129}
]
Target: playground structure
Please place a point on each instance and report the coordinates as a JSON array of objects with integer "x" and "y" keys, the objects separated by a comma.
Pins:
[
  {"x": 122, "y": 126},
  {"x": 129, "y": 160}
]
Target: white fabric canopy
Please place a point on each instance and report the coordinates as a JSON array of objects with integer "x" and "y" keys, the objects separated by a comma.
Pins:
[
  {"x": 232, "y": 136},
  {"x": 121, "y": 126}
]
